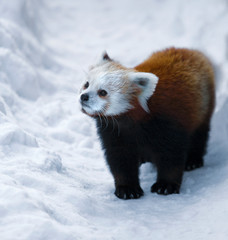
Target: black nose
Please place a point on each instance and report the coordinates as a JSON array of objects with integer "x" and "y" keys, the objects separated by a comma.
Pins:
[{"x": 84, "y": 97}]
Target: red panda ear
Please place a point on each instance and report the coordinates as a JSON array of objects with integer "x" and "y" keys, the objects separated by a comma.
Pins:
[
  {"x": 105, "y": 57},
  {"x": 147, "y": 83}
]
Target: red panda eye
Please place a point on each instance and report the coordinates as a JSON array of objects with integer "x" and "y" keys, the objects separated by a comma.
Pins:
[
  {"x": 86, "y": 85},
  {"x": 102, "y": 93}
]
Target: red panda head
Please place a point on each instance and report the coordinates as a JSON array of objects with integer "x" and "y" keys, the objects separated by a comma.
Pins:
[{"x": 111, "y": 89}]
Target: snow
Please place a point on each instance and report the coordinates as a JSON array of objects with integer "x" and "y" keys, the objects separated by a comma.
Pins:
[{"x": 54, "y": 182}]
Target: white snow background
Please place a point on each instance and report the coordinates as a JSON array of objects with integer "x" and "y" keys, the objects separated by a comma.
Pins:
[{"x": 54, "y": 182}]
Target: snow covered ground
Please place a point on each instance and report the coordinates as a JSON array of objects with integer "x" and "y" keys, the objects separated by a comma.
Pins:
[{"x": 54, "y": 183}]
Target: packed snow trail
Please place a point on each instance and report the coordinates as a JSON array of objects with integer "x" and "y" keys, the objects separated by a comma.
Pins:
[{"x": 54, "y": 183}]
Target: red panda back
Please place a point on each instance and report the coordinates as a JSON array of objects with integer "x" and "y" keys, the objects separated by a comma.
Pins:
[{"x": 185, "y": 90}]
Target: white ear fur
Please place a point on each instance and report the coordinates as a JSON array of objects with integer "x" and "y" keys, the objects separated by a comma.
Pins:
[{"x": 147, "y": 83}]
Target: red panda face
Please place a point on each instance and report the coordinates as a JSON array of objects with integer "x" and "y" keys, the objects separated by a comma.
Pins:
[
  {"x": 103, "y": 93},
  {"x": 110, "y": 89}
]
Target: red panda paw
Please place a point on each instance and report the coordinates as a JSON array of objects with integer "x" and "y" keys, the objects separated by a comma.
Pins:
[
  {"x": 165, "y": 188},
  {"x": 129, "y": 192},
  {"x": 192, "y": 164}
]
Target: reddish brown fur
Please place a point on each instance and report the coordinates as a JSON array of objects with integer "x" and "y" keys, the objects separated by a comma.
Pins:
[{"x": 185, "y": 90}]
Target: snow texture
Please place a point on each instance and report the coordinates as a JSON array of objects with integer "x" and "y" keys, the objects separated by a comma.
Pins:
[{"x": 54, "y": 182}]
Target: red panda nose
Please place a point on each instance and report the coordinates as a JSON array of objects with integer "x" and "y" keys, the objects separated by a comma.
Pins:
[{"x": 84, "y": 97}]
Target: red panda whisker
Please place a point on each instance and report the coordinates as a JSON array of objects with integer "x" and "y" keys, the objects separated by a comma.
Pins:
[
  {"x": 100, "y": 119},
  {"x": 118, "y": 128},
  {"x": 113, "y": 124},
  {"x": 105, "y": 119}
]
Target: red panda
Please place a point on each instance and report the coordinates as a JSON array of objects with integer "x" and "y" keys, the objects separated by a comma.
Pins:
[{"x": 158, "y": 111}]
